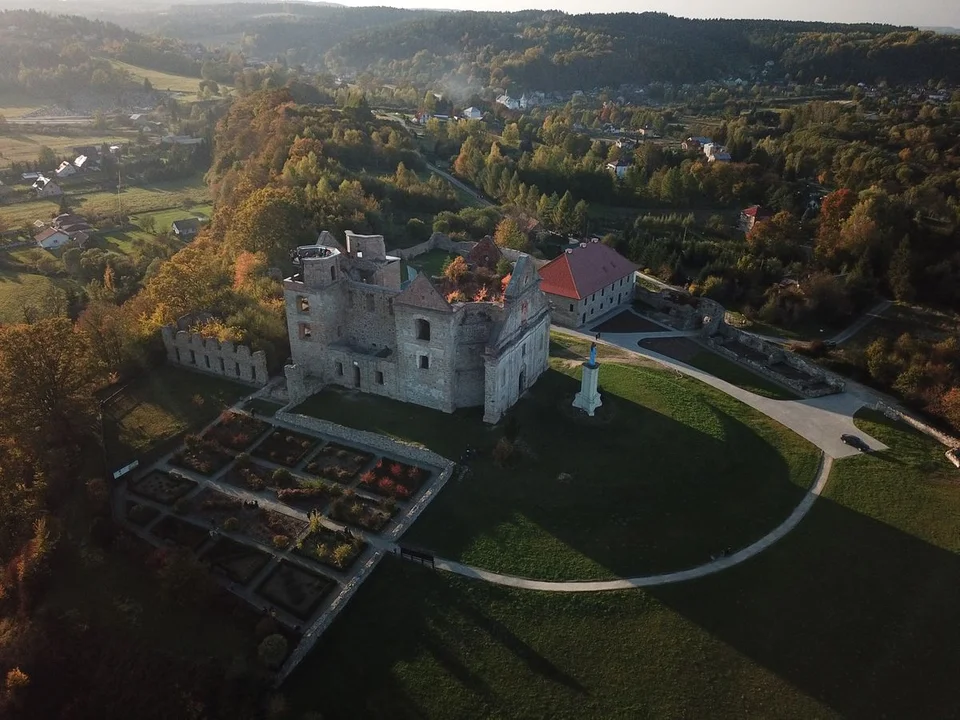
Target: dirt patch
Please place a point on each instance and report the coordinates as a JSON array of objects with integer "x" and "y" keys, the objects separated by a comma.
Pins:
[
  {"x": 680, "y": 349},
  {"x": 628, "y": 322}
]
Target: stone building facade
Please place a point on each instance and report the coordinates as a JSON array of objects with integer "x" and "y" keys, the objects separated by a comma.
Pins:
[
  {"x": 586, "y": 281},
  {"x": 352, "y": 324}
]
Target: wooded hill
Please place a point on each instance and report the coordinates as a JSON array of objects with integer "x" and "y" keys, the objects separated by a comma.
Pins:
[{"x": 553, "y": 51}]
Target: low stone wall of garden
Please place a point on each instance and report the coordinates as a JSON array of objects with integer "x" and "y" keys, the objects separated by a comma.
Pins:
[{"x": 375, "y": 441}]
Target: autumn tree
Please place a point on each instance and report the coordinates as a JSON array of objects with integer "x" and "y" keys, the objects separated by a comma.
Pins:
[
  {"x": 834, "y": 211},
  {"x": 455, "y": 269},
  {"x": 271, "y": 221},
  {"x": 509, "y": 235},
  {"x": 47, "y": 378},
  {"x": 900, "y": 273}
]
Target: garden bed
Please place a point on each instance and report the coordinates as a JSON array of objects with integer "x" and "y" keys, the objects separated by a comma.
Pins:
[
  {"x": 338, "y": 463},
  {"x": 309, "y": 495},
  {"x": 266, "y": 526},
  {"x": 180, "y": 532},
  {"x": 140, "y": 515},
  {"x": 238, "y": 562},
  {"x": 361, "y": 512},
  {"x": 285, "y": 447},
  {"x": 335, "y": 548},
  {"x": 201, "y": 456},
  {"x": 236, "y": 431},
  {"x": 296, "y": 591},
  {"x": 251, "y": 475},
  {"x": 394, "y": 479},
  {"x": 163, "y": 487}
]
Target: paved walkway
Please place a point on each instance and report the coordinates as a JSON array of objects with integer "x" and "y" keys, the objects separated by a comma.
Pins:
[
  {"x": 700, "y": 571},
  {"x": 820, "y": 420}
]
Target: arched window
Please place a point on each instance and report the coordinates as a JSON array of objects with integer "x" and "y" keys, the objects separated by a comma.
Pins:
[
  {"x": 423, "y": 329},
  {"x": 333, "y": 273}
]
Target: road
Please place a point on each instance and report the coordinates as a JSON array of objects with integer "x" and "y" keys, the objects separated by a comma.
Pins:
[
  {"x": 457, "y": 183},
  {"x": 868, "y": 317}
]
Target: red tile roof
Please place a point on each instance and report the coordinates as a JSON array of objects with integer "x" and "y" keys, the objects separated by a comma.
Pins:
[
  {"x": 583, "y": 270},
  {"x": 757, "y": 212}
]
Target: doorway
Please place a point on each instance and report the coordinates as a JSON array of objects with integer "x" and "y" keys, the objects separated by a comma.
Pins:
[
  {"x": 523, "y": 382},
  {"x": 356, "y": 376}
]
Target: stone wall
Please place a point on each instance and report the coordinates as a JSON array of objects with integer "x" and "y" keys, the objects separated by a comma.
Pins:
[
  {"x": 381, "y": 443},
  {"x": 437, "y": 241},
  {"x": 941, "y": 437},
  {"x": 209, "y": 355}
]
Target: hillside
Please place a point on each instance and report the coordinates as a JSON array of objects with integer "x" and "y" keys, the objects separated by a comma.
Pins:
[{"x": 552, "y": 51}]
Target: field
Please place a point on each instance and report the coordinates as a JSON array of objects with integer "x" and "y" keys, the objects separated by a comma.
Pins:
[
  {"x": 838, "y": 619},
  {"x": 431, "y": 263},
  {"x": 25, "y": 147},
  {"x": 671, "y": 473},
  {"x": 161, "y": 80},
  {"x": 159, "y": 407},
  {"x": 20, "y": 290},
  {"x": 133, "y": 200},
  {"x": 689, "y": 352}
]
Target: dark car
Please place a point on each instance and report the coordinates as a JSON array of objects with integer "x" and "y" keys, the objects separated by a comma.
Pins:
[{"x": 855, "y": 442}]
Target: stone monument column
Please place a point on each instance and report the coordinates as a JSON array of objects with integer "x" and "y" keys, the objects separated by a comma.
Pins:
[{"x": 588, "y": 399}]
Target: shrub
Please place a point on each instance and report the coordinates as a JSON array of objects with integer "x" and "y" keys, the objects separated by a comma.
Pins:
[
  {"x": 281, "y": 476},
  {"x": 342, "y": 554},
  {"x": 368, "y": 478},
  {"x": 396, "y": 469},
  {"x": 255, "y": 482},
  {"x": 280, "y": 541},
  {"x": 231, "y": 524},
  {"x": 387, "y": 485},
  {"x": 243, "y": 461},
  {"x": 503, "y": 452},
  {"x": 402, "y": 492},
  {"x": 273, "y": 650}
]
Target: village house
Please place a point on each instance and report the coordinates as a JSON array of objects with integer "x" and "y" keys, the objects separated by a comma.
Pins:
[
  {"x": 619, "y": 168},
  {"x": 695, "y": 143},
  {"x": 65, "y": 170},
  {"x": 473, "y": 113},
  {"x": 46, "y": 187},
  {"x": 185, "y": 229},
  {"x": 352, "y": 323},
  {"x": 51, "y": 239},
  {"x": 585, "y": 282},
  {"x": 752, "y": 215}
]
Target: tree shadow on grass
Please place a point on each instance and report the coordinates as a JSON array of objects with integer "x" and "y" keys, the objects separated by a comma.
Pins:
[
  {"x": 853, "y": 612},
  {"x": 629, "y": 493}
]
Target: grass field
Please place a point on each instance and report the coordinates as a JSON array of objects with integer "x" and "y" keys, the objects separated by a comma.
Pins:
[
  {"x": 134, "y": 200},
  {"x": 740, "y": 376},
  {"x": 161, "y": 80},
  {"x": 160, "y": 406},
  {"x": 25, "y": 147},
  {"x": 19, "y": 290},
  {"x": 671, "y": 473},
  {"x": 851, "y": 615},
  {"x": 164, "y": 218},
  {"x": 431, "y": 263}
]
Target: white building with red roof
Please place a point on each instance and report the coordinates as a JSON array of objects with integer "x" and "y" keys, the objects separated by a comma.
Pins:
[{"x": 585, "y": 282}]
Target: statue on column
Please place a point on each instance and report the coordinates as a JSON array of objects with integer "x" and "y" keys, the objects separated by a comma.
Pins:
[{"x": 588, "y": 399}]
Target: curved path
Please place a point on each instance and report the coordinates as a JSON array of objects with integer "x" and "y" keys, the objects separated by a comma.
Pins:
[
  {"x": 820, "y": 420},
  {"x": 709, "y": 568}
]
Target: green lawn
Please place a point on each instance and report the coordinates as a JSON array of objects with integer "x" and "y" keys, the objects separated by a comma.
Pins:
[
  {"x": 431, "y": 263},
  {"x": 164, "y": 81},
  {"x": 853, "y": 615},
  {"x": 674, "y": 473},
  {"x": 19, "y": 290},
  {"x": 25, "y": 146},
  {"x": 738, "y": 375},
  {"x": 154, "y": 411},
  {"x": 165, "y": 218}
]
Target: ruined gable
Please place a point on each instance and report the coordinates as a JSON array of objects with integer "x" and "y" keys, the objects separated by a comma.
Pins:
[{"x": 422, "y": 294}]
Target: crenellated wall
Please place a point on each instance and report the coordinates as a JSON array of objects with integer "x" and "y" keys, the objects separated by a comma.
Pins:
[{"x": 209, "y": 355}]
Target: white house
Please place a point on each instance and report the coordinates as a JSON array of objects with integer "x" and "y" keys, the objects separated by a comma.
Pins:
[
  {"x": 45, "y": 187},
  {"x": 51, "y": 239},
  {"x": 509, "y": 102},
  {"x": 473, "y": 113},
  {"x": 619, "y": 168},
  {"x": 65, "y": 170}
]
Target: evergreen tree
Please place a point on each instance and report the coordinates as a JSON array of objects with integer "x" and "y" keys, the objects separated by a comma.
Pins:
[{"x": 900, "y": 273}]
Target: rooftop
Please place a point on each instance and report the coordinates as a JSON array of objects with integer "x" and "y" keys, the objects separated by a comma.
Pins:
[{"x": 583, "y": 270}]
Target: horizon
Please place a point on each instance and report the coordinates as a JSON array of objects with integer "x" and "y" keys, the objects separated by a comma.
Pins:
[{"x": 923, "y": 13}]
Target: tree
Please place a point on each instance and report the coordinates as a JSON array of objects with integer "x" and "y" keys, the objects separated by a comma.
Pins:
[
  {"x": 563, "y": 219},
  {"x": 273, "y": 650},
  {"x": 46, "y": 158},
  {"x": 271, "y": 221},
  {"x": 455, "y": 269},
  {"x": 900, "y": 274},
  {"x": 147, "y": 85},
  {"x": 47, "y": 379},
  {"x": 509, "y": 235},
  {"x": 148, "y": 223}
]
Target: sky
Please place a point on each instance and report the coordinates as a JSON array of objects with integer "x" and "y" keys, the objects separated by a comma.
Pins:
[{"x": 921, "y": 13}]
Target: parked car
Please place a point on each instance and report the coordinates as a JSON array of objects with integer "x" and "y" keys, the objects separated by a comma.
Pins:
[{"x": 855, "y": 442}]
